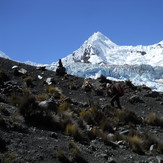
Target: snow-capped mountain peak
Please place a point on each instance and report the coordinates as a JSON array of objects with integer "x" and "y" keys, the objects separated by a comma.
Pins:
[
  {"x": 93, "y": 50},
  {"x": 99, "y": 49},
  {"x": 99, "y": 55},
  {"x": 98, "y": 37}
]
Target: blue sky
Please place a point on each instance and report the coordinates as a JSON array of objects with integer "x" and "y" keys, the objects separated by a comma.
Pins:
[{"x": 43, "y": 31}]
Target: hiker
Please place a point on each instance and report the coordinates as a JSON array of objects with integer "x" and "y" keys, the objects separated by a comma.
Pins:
[
  {"x": 60, "y": 71},
  {"x": 87, "y": 86},
  {"x": 115, "y": 90}
]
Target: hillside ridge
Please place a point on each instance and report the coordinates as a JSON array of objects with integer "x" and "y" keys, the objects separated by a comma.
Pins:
[{"x": 79, "y": 126}]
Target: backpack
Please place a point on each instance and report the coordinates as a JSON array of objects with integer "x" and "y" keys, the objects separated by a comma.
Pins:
[
  {"x": 115, "y": 88},
  {"x": 119, "y": 88}
]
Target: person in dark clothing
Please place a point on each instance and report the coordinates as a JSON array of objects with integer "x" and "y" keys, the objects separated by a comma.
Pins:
[
  {"x": 115, "y": 91},
  {"x": 87, "y": 86}
]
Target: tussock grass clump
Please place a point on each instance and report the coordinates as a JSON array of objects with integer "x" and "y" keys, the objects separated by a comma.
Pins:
[
  {"x": 26, "y": 91},
  {"x": 69, "y": 125},
  {"x": 55, "y": 92},
  {"x": 74, "y": 131},
  {"x": 74, "y": 148},
  {"x": 142, "y": 142},
  {"x": 106, "y": 125},
  {"x": 93, "y": 115},
  {"x": 126, "y": 117},
  {"x": 62, "y": 96},
  {"x": 42, "y": 97},
  {"x": 136, "y": 144},
  {"x": 87, "y": 116},
  {"x": 17, "y": 122},
  {"x": 109, "y": 111},
  {"x": 148, "y": 140},
  {"x": 29, "y": 81},
  {"x": 75, "y": 153},
  {"x": 153, "y": 120},
  {"x": 98, "y": 115},
  {"x": 96, "y": 131},
  {"x": 51, "y": 89},
  {"x": 64, "y": 106},
  {"x": 28, "y": 108},
  {"x": 100, "y": 134},
  {"x": 65, "y": 120}
]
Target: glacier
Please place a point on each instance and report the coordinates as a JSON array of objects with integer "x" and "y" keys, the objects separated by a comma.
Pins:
[
  {"x": 138, "y": 74},
  {"x": 143, "y": 65}
]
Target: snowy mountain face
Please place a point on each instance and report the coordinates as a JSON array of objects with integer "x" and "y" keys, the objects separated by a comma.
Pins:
[
  {"x": 98, "y": 49},
  {"x": 3, "y": 55},
  {"x": 99, "y": 55}
]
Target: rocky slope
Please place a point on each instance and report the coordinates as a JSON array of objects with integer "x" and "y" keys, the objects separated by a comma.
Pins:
[{"x": 78, "y": 126}]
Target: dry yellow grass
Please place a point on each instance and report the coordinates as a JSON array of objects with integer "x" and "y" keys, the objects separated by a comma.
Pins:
[
  {"x": 51, "y": 89},
  {"x": 136, "y": 143},
  {"x": 152, "y": 119},
  {"x": 26, "y": 91},
  {"x": 42, "y": 97},
  {"x": 72, "y": 130},
  {"x": 74, "y": 149},
  {"x": 87, "y": 116},
  {"x": 29, "y": 80},
  {"x": 127, "y": 116},
  {"x": 64, "y": 106}
]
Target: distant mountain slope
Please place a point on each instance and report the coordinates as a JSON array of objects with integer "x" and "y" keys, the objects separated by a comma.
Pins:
[
  {"x": 3, "y": 55},
  {"x": 99, "y": 55}
]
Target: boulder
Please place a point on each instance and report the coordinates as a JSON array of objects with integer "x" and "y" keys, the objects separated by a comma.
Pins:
[
  {"x": 42, "y": 68},
  {"x": 135, "y": 99},
  {"x": 61, "y": 71},
  {"x": 153, "y": 94}
]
